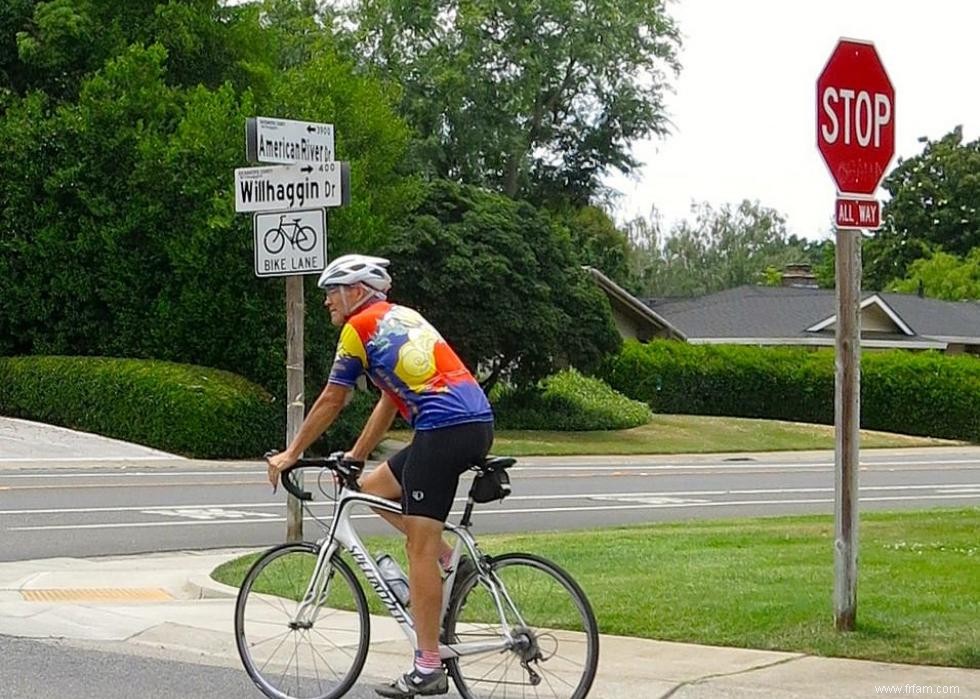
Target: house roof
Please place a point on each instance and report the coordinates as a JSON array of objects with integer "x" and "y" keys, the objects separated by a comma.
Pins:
[
  {"x": 633, "y": 306},
  {"x": 756, "y": 313}
]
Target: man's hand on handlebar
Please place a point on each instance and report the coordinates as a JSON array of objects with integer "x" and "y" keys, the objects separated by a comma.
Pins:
[{"x": 277, "y": 464}]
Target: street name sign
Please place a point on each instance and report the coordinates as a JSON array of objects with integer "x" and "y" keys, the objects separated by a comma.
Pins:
[
  {"x": 286, "y": 141},
  {"x": 857, "y": 213},
  {"x": 855, "y": 117},
  {"x": 289, "y": 187},
  {"x": 290, "y": 242}
]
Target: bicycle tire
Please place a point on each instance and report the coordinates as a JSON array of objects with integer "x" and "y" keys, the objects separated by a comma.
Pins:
[
  {"x": 540, "y": 580},
  {"x": 274, "y": 236},
  {"x": 306, "y": 241},
  {"x": 262, "y": 626}
]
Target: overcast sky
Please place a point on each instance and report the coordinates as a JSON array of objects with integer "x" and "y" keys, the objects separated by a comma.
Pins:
[{"x": 744, "y": 110}]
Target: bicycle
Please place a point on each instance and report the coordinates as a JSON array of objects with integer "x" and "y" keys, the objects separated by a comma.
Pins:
[
  {"x": 302, "y": 237},
  {"x": 301, "y": 618}
]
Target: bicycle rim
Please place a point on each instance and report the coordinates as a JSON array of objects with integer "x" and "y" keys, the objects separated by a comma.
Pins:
[
  {"x": 319, "y": 662},
  {"x": 558, "y": 641},
  {"x": 306, "y": 238}
]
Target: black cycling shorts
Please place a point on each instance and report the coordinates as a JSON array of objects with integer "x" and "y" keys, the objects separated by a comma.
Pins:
[{"x": 429, "y": 468}]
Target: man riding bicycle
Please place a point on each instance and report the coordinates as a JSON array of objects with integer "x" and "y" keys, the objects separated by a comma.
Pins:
[{"x": 422, "y": 378}]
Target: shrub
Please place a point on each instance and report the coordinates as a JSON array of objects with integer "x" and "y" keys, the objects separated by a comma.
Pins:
[
  {"x": 567, "y": 401},
  {"x": 926, "y": 393},
  {"x": 179, "y": 408}
]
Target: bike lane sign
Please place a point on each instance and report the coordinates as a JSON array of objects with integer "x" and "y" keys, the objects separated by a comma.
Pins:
[{"x": 290, "y": 242}]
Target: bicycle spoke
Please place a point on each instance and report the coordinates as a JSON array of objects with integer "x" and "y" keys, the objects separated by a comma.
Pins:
[
  {"x": 325, "y": 659},
  {"x": 338, "y": 647},
  {"x": 269, "y": 659},
  {"x": 539, "y": 602},
  {"x": 270, "y": 638},
  {"x": 316, "y": 670}
]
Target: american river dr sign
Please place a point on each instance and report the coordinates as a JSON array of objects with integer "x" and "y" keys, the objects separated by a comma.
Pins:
[
  {"x": 288, "y": 187},
  {"x": 287, "y": 141}
]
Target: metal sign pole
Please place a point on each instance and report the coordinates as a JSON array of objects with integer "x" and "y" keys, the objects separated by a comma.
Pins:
[
  {"x": 847, "y": 390},
  {"x": 295, "y": 408}
]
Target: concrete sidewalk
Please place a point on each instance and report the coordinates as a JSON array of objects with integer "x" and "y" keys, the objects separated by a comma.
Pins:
[{"x": 167, "y": 603}]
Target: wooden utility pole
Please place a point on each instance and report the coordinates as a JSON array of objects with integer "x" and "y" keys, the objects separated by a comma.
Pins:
[
  {"x": 847, "y": 396},
  {"x": 295, "y": 408}
]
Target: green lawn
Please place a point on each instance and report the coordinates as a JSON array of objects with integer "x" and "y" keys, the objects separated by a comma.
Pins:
[
  {"x": 767, "y": 583},
  {"x": 681, "y": 434}
]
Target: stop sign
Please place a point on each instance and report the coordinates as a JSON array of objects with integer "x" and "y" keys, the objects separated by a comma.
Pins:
[{"x": 855, "y": 117}]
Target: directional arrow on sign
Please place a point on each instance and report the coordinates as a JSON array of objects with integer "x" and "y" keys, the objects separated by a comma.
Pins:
[
  {"x": 287, "y": 141},
  {"x": 290, "y": 188}
]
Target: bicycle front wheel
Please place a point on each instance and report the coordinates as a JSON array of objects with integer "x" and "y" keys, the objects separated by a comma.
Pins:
[
  {"x": 317, "y": 657},
  {"x": 556, "y": 648}
]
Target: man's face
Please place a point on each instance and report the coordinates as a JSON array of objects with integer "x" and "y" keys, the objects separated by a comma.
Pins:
[{"x": 337, "y": 302}]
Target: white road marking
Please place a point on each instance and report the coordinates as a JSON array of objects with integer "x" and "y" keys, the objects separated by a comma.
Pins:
[
  {"x": 956, "y": 488},
  {"x": 85, "y": 459},
  {"x": 724, "y": 466},
  {"x": 512, "y": 511},
  {"x": 666, "y": 495},
  {"x": 207, "y": 513}
]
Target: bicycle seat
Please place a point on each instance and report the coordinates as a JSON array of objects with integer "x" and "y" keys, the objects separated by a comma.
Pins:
[{"x": 495, "y": 463}]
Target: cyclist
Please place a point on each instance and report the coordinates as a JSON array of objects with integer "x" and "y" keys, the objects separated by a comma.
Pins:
[{"x": 422, "y": 378}]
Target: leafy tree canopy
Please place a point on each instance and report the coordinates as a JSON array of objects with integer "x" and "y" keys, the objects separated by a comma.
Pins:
[
  {"x": 118, "y": 234},
  {"x": 722, "y": 248},
  {"x": 537, "y": 99},
  {"x": 52, "y": 45},
  {"x": 935, "y": 204},
  {"x": 943, "y": 276},
  {"x": 501, "y": 281}
]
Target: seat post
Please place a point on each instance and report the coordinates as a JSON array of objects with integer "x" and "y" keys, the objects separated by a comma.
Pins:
[{"x": 467, "y": 513}]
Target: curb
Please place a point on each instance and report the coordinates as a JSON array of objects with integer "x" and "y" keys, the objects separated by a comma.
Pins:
[{"x": 203, "y": 586}]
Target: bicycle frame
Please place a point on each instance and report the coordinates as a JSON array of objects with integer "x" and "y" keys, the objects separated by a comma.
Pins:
[{"x": 342, "y": 535}]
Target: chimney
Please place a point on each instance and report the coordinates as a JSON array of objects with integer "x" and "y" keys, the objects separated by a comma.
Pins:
[{"x": 799, "y": 274}]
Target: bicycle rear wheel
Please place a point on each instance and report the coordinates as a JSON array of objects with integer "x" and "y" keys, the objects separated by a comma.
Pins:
[
  {"x": 557, "y": 640},
  {"x": 317, "y": 660}
]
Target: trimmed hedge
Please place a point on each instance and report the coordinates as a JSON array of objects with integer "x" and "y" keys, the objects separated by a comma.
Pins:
[
  {"x": 180, "y": 408},
  {"x": 920, "y": 393},
  {"x": 567, "y": 401}
]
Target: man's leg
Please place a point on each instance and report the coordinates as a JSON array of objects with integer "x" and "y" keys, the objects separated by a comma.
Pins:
[
  {"x": 425, "y": 578},
  {"x": 382, "y": 482}
]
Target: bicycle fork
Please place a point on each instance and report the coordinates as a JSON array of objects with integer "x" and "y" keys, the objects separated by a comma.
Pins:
[{"x": 316, "y": 591}]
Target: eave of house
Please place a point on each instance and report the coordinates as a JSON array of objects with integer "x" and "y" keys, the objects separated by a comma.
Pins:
[
  {"x": 820, "y": 341},
  {"x": 634, "y": 305},
  {"x": 873, "y": 300}
]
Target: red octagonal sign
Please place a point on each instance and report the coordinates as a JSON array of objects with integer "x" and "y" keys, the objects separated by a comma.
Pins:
[{"x": 855, "y": 117}]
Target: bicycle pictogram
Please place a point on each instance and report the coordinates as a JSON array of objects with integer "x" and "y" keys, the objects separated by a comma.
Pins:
[{"x": 302, "y": 237}]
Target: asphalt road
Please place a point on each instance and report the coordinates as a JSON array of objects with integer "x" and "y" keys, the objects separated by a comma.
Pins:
[
  {"x": 57, "y": 669},
  {"x": 88, "y": 508}
]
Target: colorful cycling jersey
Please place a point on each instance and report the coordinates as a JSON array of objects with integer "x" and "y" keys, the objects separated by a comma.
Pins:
[{"x": 408, "y": 359}]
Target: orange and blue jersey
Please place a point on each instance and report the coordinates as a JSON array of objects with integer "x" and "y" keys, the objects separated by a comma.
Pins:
[{"x": 407, "y": 358}]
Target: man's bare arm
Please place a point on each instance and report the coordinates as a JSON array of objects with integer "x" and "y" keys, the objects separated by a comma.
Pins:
[
  {"x": 374, "y": 430},
  {"x": 324, "y": 411}
]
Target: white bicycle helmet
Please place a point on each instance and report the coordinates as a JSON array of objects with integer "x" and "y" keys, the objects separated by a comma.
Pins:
[{"x": 357, "y": 269}]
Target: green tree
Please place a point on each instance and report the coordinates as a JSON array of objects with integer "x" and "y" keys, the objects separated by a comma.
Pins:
[
  {"x": 598, "y": 242},
  {"x": 118, "y": 234},
  {"x": 935, "y": 204},
  {"x": 501, "y": 281},
  {"x": 59, "y": 42},
  {"x": 943, "y": 276},
  {"x": 722, "y": 248},
  {"x": 536, "y": 99}
]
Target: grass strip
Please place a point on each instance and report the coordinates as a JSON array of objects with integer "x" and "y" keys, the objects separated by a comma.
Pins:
[
  {"x": 687, "y": 434},
  {"x": 767, "y": 583}
]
